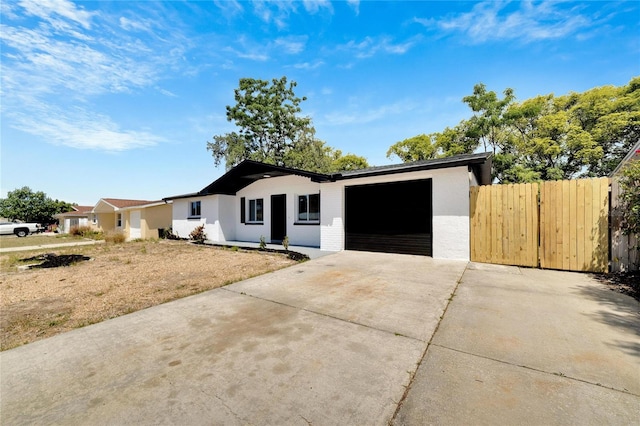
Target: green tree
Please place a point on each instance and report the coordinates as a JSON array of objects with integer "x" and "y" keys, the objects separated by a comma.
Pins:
[
  {"x": 417, "y": 148},
  {"x": 266, "y": 114},
  {"x": 347, "y": 162},
  {"x": 488, "y": 123},
  {"x": 271, "y": 131},
  {"x": 28, "y": 206},
  {"x": 310, "y": 154},
  {"x": 545, "y": 137}
]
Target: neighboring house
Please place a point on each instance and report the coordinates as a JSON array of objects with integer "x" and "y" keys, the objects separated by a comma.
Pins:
[
  {"x": 415, "y": 208},
  {"x": 624, "y": 253},
  {"x": 79, "y": 216},
  {"x": 135, "y": 218}
]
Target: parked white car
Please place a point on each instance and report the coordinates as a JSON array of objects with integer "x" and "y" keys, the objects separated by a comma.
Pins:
[{"x": 20, "y": 229}]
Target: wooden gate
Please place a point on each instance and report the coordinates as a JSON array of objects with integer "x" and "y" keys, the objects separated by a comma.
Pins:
[
  {"x": 504, "y": 224},
  {"x": 555, "y": 225}
]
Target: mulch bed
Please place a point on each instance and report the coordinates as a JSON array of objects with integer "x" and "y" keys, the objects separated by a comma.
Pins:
[
  {"x": 52, "y": 260},
  {"x": 623, "y": 282}
]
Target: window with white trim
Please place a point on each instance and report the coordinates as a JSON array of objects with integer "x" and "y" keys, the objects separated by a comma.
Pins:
[
  {"x": 308, "y": 208},
  {"x": 194, "y": 209},
  {"x": 119, "y": 220},
  {"x": 256, "y": 210}
]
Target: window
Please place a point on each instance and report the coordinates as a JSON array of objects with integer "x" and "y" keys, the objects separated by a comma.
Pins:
[
  {"x": 119, "y": 220},
  {"x": 194, "y": 209},
  {"x": 309, "y": 208},
  {"x": 256, "y": 210}
]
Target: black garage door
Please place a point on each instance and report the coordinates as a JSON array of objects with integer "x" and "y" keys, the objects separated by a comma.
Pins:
[{"x": 389, "y": 217}]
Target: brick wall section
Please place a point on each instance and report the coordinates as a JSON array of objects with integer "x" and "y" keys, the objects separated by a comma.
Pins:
[{"x": 332, "y": 217}]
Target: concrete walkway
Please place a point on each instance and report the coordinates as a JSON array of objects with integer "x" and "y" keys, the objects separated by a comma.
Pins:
[
  {"x": 312, "y": 252},
  {"x": 47, "y": 246},
  {"x": 349, "y": 338}
]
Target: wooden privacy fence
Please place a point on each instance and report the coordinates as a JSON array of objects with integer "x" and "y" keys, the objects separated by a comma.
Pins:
[{"x": 555, "y": 225}]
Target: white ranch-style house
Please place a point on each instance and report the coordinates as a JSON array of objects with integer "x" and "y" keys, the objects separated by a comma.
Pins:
[{"x": 413, "y": 208}]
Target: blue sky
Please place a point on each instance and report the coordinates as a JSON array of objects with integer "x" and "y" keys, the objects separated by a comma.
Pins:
[{"x": 118, "y": 98}]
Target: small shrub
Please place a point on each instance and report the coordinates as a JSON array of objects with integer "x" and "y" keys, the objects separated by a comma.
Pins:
[
  {"x": 85, "y": 232},
  {"x": 79, "y": 231},
  {"x": 285, "y": 243},
  {"x": 167, "y": 234},
  {"x": 198, "y": 235},
  {"x": 115, "y": 237},
  {"x": 263, "y": 243}
]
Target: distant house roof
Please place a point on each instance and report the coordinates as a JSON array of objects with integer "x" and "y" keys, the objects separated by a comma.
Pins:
[
  {"x": 108, "y": 205},
  {"x": 122, "y": 203},
  {"x": 78, "y": 211},
  {"x": 248, "y": 172},
  {"x": 633, "y": 154},
  {"x": 83, "y": 209}
]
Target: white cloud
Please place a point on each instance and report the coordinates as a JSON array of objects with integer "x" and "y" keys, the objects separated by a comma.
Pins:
[
  {"x": 357, "y": 114},
  {"x": 371, "y": 46},
  {"x": 355, "y": 5},
  {"x": 277, "y": 12},
  {"x": 498, "y": 20},
  {"x": 291, "y": 44},
  {"x": 253, "y": 56},
  {"x": 53, "y": 10},
  {"x": 309, "y": 65},
  {"x": 69, "y": 57},
  {"x": 314, "y": 6},
  {"x": 82, "y": 129},
  {"x": 229, "y": 7},
  {"x": 131, "y": 25}
]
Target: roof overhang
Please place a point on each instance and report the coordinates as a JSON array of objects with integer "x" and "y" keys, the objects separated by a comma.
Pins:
[
  {"x": 103, "y": 206},
  {"x": 480, "y": 164},
  {"x": 246, "y": 173},
  {"x": 144, "y": 206}
]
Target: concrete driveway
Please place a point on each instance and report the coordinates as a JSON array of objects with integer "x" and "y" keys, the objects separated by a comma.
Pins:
[
  {"x": 350, "y": 338},
  {"x": 335, "y": 340},
  {"x": 522, "y": 346}
]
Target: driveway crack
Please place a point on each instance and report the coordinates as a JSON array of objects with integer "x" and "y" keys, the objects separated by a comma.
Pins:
[
  {"x": 557, "y": 374},
  {"x": 244, "y": 293},
  {"x": 424, "y": 353}
]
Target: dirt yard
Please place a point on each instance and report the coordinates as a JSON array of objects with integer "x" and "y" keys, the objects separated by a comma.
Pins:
[{"x": 119, "y": 279}]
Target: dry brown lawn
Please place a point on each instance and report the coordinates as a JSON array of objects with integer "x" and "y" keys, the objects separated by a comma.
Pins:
[{"x": 119, "y": 279}]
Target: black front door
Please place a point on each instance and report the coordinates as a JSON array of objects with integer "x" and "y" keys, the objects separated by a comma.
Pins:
[{"x": 278, "y": 217}]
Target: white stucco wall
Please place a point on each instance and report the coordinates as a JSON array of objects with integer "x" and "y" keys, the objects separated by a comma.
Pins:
[
  {"x": 451, "y": 213},
  {"x": 209, "y": 217},
  {"x": 221, "y": 213},
  {"x": 450, "y": 210},
  {"x": 332, "y": 216},
  {"x": 228, "y": 215},
  {"x": 291, "y": 186}
]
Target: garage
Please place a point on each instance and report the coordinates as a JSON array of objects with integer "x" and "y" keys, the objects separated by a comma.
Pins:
[{"x": 394, "y": 217}]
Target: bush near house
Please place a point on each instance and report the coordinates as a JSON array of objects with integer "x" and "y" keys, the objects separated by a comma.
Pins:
[
  {"x": 115, "y": 237},
  {"x": 85, "y": 232},
  {"x": 198, "y": 235}
]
